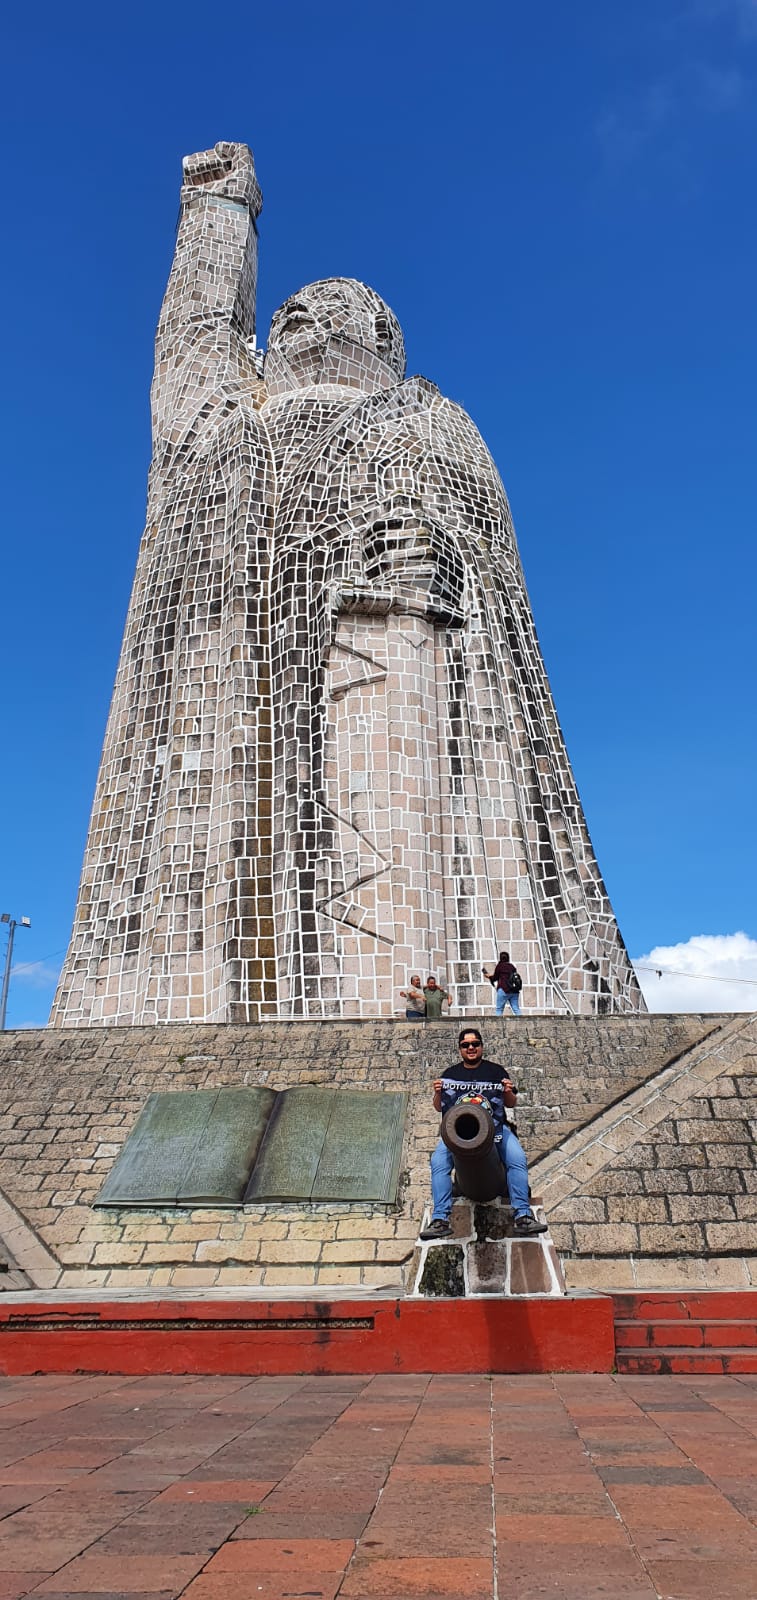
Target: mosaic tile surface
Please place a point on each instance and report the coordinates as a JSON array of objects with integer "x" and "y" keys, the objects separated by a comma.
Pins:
[{"x": 332, "y": 756}]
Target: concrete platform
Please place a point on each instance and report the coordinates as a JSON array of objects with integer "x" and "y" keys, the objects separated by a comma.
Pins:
[
  {"x": 395, "y": 1487},
  {"x": 140, "y": 1334}
]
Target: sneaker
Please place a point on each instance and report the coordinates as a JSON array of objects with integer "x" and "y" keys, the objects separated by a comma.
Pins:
[
  {"x": 527, "y": 1223},
  {"x": 439, "y": 1228}
]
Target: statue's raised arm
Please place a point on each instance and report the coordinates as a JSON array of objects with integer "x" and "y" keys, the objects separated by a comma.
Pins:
[{"x": 207, "y": 320}]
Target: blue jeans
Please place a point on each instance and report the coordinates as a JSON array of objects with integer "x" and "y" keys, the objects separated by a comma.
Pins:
[
  {"x": 516, "y": 1170},
  {"x": 505, "y": 1000}
]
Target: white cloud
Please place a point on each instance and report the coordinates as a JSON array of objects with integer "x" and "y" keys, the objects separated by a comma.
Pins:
[
  {"x": 710, "y": 972},
  {"x": 36, "y": 974}
]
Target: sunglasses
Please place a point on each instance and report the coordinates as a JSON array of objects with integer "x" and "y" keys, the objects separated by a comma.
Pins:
[{"x": 471, "y": 1044}]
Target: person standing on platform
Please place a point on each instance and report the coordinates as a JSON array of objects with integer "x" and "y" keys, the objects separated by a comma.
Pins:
[
  {"x": 435, "y": 997},
  {"x": 415, "y": 1010},
  {"x": 507, "y": 982}
]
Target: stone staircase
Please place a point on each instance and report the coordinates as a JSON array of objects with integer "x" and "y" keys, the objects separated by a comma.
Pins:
[{"x": 686, "y": 1333}]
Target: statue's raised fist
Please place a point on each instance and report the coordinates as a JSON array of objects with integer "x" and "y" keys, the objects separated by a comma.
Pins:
[{"x": 227, "y": 170}]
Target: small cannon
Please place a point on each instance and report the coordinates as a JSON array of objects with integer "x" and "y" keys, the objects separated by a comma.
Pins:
[{"x": 468, "y": 1132}]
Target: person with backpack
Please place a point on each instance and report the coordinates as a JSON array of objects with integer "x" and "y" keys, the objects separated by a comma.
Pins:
[{"x": 507, "y": 982}]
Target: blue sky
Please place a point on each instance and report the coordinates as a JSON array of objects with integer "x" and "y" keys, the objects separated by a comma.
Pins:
[{"x": 558, "y": 203}]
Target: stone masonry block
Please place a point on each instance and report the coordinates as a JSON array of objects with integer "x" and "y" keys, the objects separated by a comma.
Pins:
[
  {"x": 298, "y": 1251},
  {"x": 343, "y": 1251},
  {"x": 685, "y": 1238},
  {"x": 668, "y": 1180},
  {"x": 732, "y": 1132},
  {"x": 76, "y": 1255},
  {"x": 194, "y": 1277},
  {"x": 727, "y": 1272},
  {"x": 339, "y": 1276},
  {"x": 730, "y": 1155},
  {"x": 529, "y": 1269},
  {"x": 129, "y": 1278},
  {"x": 291, "y": 1276},
  {"x": 734, "y": 1236},
  {"x": 618, "y": 1180},
  {"x": 687, "y": 1156},
  {"x": 316, "y": 1228},
  {"x": 611, "y": 1238},
  {"x": 228, "y": 1250},
  {"x": 381, "y": 1277},
  {"x": 606, "y": 1273},
  {"x": 168, "y": 1252},
  {"x": 720, "y": 1180},
  {"x": 240, "y": 1277},
  {"x": 688, "y": 1272},
  {"x": 365, "y": 1228},
  {"x": 82, "y": 1278},
  {"x": 637, "y": 1208},
  {"x": 196, "y": 1231},
  {"x": 146, "y": 1231},
  {"x": 117, "y": 1254},
  {"x": 487, "y": 1263},
  {"x": 701, "y": 1208},
  {"x": 582, "y": 1208}
]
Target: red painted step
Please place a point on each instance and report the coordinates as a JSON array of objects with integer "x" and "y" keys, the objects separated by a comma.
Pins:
[
  {"x": 663, "y": 1333},
  {"x": 251, "y": 1336},
  {"x": 676, "y": 1331},
  {"x": 654, "y": 1362}
]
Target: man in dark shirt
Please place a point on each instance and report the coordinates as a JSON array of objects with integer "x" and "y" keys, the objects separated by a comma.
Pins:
[
  {"x": 500, "y": 979},
  {"x": 491, "y": 1081}
]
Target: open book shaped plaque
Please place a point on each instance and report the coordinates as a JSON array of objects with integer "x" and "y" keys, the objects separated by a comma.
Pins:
[{"x": 236, "y": 1146}]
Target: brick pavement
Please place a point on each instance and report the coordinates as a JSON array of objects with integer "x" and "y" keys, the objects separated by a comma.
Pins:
[{"x": 383, "y": 1488}]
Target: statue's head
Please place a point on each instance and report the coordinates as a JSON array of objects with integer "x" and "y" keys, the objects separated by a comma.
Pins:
[{"x": 335, "y": 331}]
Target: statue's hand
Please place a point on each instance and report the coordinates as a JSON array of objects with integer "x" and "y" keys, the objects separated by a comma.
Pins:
[{"x": 228, "y": 170}]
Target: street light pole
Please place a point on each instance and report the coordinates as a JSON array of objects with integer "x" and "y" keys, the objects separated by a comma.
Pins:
[{"x": 23, "y": 922}]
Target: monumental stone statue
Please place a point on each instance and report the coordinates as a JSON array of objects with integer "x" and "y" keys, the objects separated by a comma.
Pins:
[{"x": 332, "y": 755}]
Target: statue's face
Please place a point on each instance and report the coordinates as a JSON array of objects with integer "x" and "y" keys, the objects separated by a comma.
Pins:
[
  {"x": 342, "y": 310},
  {"x": 296, "y": 326}
]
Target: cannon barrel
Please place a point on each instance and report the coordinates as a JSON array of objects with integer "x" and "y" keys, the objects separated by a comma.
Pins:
[{"x": 468, "y": 1131}]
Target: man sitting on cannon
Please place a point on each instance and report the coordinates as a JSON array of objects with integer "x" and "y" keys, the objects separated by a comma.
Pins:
[{"x": 475, "y": 1092}]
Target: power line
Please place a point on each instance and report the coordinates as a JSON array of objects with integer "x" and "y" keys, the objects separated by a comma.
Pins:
[
  {"x": 700, "y": 977},
  {"x": 40, "y": 962}
]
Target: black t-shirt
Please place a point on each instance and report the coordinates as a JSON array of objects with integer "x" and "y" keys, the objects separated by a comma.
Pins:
[{"x": 485, "y": 1079}]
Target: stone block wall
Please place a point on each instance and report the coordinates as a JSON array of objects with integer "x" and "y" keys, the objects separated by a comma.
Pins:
[
  {"x": 600, "y": 1099},
  {"x": 661, "y": 1189}
]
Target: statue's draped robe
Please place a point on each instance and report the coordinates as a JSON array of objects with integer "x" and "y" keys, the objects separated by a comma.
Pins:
[{"x": 428, "y": 803}]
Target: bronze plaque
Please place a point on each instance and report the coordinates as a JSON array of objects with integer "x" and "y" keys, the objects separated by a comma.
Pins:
[
  {"x": 288, "y": 1161},
  {"x": 361, "y": 1152},
  {"x": 190, "y": 1148},
  {"x": 199, "y": 1147},
  {"x": 331, "y": 1144},
  {"x": 221, "y": 1162}
]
